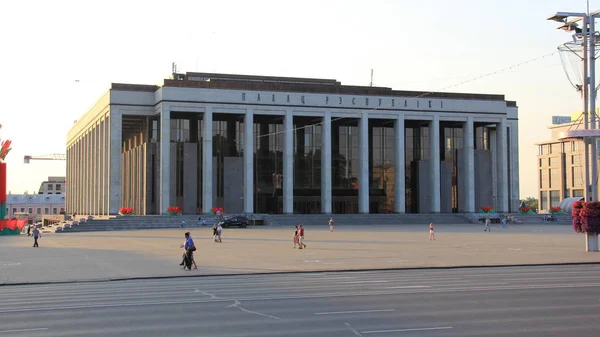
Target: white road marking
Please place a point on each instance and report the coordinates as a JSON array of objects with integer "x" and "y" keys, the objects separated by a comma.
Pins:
[
  {"x": 23, "y": 330},
  {"x": 356, "y": 333},
  {"x": 11, "y": 264},
  {"x": 353, "y": 312},
  {"x": 237, "y": 303},
  {"x": 355, "y": 282},
  {"x": 407, "y": 330},
  {"x": 407, "y": 287}
]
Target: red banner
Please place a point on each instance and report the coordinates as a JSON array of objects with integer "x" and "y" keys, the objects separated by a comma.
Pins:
[
  {"x": 2, "y": 183},
  {"x": 12, "y": 224}
]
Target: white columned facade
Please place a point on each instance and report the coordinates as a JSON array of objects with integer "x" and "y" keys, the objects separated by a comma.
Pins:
[
  {"x": 249, "y": 161},
  {"x": 165, "y": 159},
  {"x": 326, "y": 185},
  {"x": 434, "y": 159},
  {"x": 400, "y": 167},
  {"x": 116, "y": 131},
  {"x": 207, "y": 160},
  {"x": 288, "y": 162},
  {"x": 469, "y": 167},
  {"x": 363, "y": 177},
  {"x": 502, "y": 166}
]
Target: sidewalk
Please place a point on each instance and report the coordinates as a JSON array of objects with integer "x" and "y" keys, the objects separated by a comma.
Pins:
[{"x": 156, "y": 253}]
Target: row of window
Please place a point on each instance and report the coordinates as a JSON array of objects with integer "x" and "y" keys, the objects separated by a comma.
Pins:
[
  {"x": 38, "y": 210},
  {"x": 566, "y": 147},
  {"x": 58, "y": 187}
]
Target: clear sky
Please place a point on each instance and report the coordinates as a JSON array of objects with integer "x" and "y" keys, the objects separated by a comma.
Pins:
[{"x": 58, "y": 57}]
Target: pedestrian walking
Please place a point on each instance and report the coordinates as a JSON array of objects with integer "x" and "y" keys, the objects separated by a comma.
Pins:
[
  {"x": 36, "y": 236},
  {"x": 296, "y": 243},
  {"x": 301, "y": 237},
  {"x": 331, "y": 224},
  {"x": 215, "y": 236},
  {"x": 29, "y": 230},
  {"x": 504, "y": 222},
  {"x": 431, "y": 234},
  {"x": 188, "y": 252},
  {"x": 487, "y": 224},
  {"x": 219, "y": 232}
]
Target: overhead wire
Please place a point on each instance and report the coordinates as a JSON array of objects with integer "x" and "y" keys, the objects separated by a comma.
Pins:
[{"x": 473, "y": 79}]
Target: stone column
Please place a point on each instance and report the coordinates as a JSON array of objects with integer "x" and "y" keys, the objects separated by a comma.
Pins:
[
  {"x": 363, "y": 177},
  {"x": 502, "y": 168},
  {"x": 207, "y": 161},
  {"x": 326, "y": 189},
  {"x": 106, "y": 173},
  {"x": 116, "y": 134},
  {"x": 165, "y": 160},
  {"x": 288, "y": 163},
  {"x": 469, "y": 167},
  {"x": 400, "y": 167},
  {"x": 514, "y": 161},
  {"x": 434, "y": 159},
  {"x": 249, "y": 161}
]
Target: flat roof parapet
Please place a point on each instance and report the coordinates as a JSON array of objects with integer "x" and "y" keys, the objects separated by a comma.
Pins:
[{"x": 134, "y": 87}]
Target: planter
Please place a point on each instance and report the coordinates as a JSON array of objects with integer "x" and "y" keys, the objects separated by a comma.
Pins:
[{"x": 591, "y": 242}]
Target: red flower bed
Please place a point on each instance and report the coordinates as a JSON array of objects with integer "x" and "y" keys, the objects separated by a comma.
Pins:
[
  {"x": 174, "y": 210},
  {"x": 555, "y": 210},
  {"x": 126, "y": 211},
  {"x": 486, "y": 209},
  {"x": 525, "y": 210}
]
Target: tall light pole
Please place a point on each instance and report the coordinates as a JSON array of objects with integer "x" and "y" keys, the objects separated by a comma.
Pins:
[{"x": 587, "y": 35}]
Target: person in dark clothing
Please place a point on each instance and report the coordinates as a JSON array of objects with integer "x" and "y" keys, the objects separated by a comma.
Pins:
[
  {"x": 36, "y": 236},
  {"x": 188, "y": 255}
]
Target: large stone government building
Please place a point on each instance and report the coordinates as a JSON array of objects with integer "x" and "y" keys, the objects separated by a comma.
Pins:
[{"x": 259, "y": 144}]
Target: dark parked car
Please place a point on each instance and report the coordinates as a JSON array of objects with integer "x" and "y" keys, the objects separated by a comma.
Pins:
[{"x": 240, "y": 221}]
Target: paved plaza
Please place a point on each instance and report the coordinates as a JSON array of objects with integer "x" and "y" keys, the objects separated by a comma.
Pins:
[{"x": 156, "y": 253}]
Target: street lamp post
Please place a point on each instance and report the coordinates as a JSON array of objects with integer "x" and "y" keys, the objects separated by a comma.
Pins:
[{"x": 587, "y": 35}]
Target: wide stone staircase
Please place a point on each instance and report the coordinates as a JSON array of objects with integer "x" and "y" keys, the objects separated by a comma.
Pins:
[
  {"x": 289, "y": 220},
  {"x": 279, "y": 220}
]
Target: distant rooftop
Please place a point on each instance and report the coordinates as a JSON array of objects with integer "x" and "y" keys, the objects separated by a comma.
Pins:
[
  {"x": 292, "y": 84},
  {"x": 35, "y": 199}
]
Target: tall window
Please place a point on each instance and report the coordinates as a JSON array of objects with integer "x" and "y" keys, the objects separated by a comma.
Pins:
[
  {"x": 554, "y": 178},
  {"x": 544, "y": 200},
  {"x": 554, "y": 198},
  {"x": 382, "y": 167},
  {"x": 544, "y": 179}
]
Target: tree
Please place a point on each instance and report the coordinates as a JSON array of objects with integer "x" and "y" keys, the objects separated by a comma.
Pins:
[{"x": 531, "y": 202}]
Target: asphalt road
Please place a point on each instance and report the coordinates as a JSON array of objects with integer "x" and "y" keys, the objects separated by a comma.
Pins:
[{"x": 515, "y": 301}]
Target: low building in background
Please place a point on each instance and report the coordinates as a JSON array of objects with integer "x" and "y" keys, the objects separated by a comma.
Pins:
[
  {"x": 54, "y": 185},
  {"x": 34, "y": 206},
  {"x": 560, "y": 165},
  {"x": 561, "y": 119}
]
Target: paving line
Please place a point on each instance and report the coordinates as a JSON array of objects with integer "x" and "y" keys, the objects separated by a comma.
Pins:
[
  {"x": 353, "y": 312},
  {"x": 296, "y": 297},
  {"x": 406, "y": 330},
  {"x": 23, "y": 330}
]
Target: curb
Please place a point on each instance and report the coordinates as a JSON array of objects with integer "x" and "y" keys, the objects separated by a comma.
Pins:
[{"x": 135, "y": 278}]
